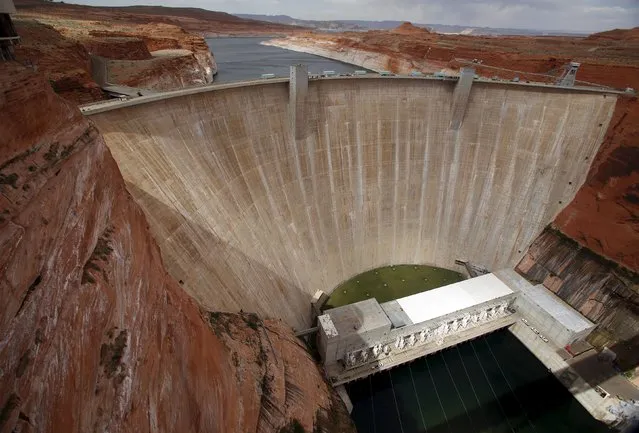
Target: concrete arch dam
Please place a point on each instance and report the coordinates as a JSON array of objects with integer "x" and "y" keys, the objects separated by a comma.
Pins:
[{"x": 250, "y": 214}]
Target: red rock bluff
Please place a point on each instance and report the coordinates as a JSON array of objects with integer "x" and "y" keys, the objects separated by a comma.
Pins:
[{"x": 94, "y": 335}]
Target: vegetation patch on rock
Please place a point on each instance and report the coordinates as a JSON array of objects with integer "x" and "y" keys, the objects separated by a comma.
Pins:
[{"x": 101, "y": 253}]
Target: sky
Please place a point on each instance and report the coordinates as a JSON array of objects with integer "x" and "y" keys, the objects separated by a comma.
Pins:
[{"x": 567, "y": 15}]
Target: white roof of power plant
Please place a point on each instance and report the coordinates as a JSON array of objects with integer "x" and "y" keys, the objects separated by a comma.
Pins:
[
  {"x": 454, "y": 297},
  {"x": 567, "y": 316}
]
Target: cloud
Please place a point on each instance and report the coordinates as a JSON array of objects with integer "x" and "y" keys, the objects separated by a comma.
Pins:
[{"x": 575, "y": 15}]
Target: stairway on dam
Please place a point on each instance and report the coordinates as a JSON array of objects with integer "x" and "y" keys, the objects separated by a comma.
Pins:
[{"x": 256, "y": 210}]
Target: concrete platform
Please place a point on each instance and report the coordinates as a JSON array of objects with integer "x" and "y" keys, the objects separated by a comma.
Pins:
[
  {"x": 338, "y": 376},
  {"x": 549, "y": 354}
]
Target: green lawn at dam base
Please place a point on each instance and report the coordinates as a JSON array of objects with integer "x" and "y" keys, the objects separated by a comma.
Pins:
[{"x": 391, "y": 282}]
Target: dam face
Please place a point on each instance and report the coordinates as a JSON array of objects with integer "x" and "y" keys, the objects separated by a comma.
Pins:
[{"x": 250, "y": 217}]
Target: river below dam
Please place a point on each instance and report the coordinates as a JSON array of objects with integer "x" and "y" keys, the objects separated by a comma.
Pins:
[
  {"x": 244, "y": 58},
  {"x": 491, "y": 384}
]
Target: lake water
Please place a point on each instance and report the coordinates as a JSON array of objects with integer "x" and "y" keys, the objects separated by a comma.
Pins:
[{"x": 240, "y": 59}]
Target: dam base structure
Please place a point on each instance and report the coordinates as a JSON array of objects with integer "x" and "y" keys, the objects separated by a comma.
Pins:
[{"x": 366, "y": 338}]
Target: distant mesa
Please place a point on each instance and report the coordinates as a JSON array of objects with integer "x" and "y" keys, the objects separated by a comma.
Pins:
[
  {"x": 407, "y": 28},
  {"x": 617, "y": 35}
]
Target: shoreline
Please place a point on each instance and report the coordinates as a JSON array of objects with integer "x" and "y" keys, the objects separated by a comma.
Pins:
[{"x": 376, "y": 62}]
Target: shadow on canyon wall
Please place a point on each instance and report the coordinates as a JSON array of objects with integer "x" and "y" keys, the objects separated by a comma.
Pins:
[{"x": 604, "y": 292}]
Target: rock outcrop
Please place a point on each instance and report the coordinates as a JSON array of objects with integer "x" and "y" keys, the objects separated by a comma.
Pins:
[
  {"x": 94, "y": 335},
  {"x": 61, "y": 41},
  {"x": 601, "y": 290},
  {"x": 159, "y": 36},
  {"x": 65, "y": 63},
  {"x": 113, "y": 47},
  {"x": 166, "y": 70},
  {"x": 616, "y": 35},
  {"x": 408, "y": 28}
]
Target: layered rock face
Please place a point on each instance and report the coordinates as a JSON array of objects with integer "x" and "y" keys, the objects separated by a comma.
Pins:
[
  {"x": 66, "y": 46},
  {"x": 94, "y": 335},
  {"x": 123, "y": 48},
  {"x": 66, "y": 64},
  {"x": 167, "y": 70},
  {"x": 158, "y": 36},
  {"x": 601, "y": 290}
]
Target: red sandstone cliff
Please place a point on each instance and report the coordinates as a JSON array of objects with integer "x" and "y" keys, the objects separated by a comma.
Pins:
[
  {"x": 59, "y": 40},
  {"x": 94, "y": 335},
  {"x": 66, "y": 64}
]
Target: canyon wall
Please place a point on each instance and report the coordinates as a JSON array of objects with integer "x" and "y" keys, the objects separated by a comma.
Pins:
[
  {"x": 65, "y": 63},
  {"x": 94, "y": 334},
  {"x": 354, "y": 56},
  {"x": 167, "y": 70},
  {"x": 154, "y": 56},
  {"x": 378, "y": 178},
  {"x": 601, "y": 290},
  {"x": 158, "y": 37}
]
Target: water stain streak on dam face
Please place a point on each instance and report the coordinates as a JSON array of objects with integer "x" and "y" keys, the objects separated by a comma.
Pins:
[{"x": 252, "y": 219}]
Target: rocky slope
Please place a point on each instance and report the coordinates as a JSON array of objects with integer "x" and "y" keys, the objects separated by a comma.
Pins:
[
  {"x": 94, "y": 335},
  {"x": 199, "y": 21},
  {"x": 60, "y": 40},
  {"x": 66, "y": 64}
]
